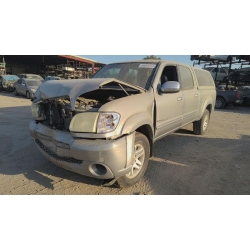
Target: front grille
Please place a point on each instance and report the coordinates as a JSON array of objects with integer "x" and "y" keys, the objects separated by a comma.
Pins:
[
  {"x": 48, "y": 138},
  {"x": 59, "y": 158}
]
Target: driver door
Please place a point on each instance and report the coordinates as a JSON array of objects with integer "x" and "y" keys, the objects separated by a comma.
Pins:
[
  {"x": 169, "y": 106},
  {"x": 23, "y": 87},
  {"x": 18, "y": 86}
]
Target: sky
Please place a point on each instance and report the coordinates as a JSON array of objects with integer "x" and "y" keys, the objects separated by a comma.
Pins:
[{"x": 118, "y": 58}]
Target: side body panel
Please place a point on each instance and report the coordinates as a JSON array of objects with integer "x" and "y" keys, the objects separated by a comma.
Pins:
[
  {"x": 168, "y": 111},
  {"x": 191, "y": 97}
]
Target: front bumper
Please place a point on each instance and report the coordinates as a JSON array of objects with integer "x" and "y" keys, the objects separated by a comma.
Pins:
[{"x": 103, "y": 159}]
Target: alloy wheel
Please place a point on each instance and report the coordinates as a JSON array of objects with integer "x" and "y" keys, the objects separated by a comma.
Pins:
[{"x": 139, "y": 157}]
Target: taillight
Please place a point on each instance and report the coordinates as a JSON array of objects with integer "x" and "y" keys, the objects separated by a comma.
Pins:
[{"x": 238, "y": 95}]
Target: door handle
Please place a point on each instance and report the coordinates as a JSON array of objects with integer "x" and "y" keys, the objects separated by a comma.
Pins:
[
  {"x": 196, "y": 95},
  {"x": 179, "y": 98}
]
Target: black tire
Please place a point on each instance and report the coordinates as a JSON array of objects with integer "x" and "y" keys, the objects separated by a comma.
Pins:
[
  {"x": 220, "y": 103},
  {"x": 245, "y": 102},
  {"x": 142, "y": 148},
  {"x": 28, "y": 94},
  {"x": 15, "y": 92},
  {"x": 200, "y": 127}
]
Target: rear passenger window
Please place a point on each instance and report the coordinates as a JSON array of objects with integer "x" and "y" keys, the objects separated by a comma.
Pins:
[
  {"x": 186, "y": 78},
  {"x": 204, "y": 77}
]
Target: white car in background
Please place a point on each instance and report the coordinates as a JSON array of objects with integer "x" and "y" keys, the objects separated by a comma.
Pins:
[{"x": 26, "y": 87}]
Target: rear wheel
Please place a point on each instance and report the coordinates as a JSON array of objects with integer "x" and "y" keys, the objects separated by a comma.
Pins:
[
  {"x": 141, "y": 158},
  {"x": 200, "y": 127},
  {"x": 245, "y": 102},
  {"x": 28, "y": 94},
  {"x": 220, "y": 103}
]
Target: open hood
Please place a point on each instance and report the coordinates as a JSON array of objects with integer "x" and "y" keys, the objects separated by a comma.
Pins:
[{"x": 74, "y": 88}]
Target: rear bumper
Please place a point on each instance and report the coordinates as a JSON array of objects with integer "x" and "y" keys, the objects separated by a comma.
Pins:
[
  {"x": 103, "y": 159},
  {"x": 239, "y": 101}
]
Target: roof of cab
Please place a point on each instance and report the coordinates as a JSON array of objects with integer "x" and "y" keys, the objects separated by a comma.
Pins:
[{"x": 154, "y": 61}]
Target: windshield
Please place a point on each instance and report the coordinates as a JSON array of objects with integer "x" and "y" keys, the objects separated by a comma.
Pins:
[
  {"x": 10, "y": 78},
  {"x": 33, "y": 83},
  {"x": 139, "y": 74}
]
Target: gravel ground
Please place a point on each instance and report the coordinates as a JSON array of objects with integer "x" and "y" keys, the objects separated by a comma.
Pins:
[{"x": 182, "y": 163}]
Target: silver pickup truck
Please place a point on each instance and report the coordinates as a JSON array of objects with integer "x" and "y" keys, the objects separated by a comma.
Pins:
[{"x": 105, "y": 127}]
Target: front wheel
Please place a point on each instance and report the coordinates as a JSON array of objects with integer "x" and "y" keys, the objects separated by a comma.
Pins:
[
  {"x": 141, "y": 158},
  {"x": 200, "y": 127},
  {"x": 220, "y": 103}
]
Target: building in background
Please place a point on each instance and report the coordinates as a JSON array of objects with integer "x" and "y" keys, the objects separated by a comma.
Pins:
[{"x": 64, "y": 66}]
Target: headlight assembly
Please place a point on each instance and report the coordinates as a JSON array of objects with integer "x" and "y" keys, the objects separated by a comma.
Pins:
[
  {"x": 92, "y": 122},
  {"x": 36, "y": 110},
  {"x": 84, "y": 122},
  {"x": 107, "y": 122}
]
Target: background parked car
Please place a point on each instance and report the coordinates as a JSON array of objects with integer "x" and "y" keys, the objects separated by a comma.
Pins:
[
  {"x": 245, "y": 90},
  {"x": 7, "y": 81},
  {"x": 30, "y": 76},
  {"x": 239, "y": 76},
  {"x": 26, "y": 87},
  {"x": 218, "y": 86},
  {"x": 226, "y": 97},
  {"x": 221, "y": 73},
  {"x": 47, "y": 78}
]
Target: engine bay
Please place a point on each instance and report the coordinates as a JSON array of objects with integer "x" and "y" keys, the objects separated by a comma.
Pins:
[{"x": 57, "y": 113}]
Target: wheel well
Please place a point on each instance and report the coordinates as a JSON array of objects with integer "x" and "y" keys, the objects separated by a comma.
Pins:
[
  {"x": 218, "y": 96},
  {"x": 245, "y": 100},
  {"x": 209, "y": 108},
  {"x": 147, "y": 131}
]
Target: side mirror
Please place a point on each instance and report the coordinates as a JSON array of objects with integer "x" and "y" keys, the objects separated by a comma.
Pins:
[{"x": 170, "y": 87}]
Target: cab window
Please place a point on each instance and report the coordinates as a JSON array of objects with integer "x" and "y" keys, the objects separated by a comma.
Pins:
[
  {"x": 169, "y": 74},
  {"x": 186, "y": 78}
]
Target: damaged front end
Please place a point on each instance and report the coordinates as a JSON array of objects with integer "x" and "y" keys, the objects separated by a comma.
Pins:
[
  {"x": 57, "y": 113},
  {"x": 8, "y": 85},
  {"x": 71, "y": 131},
  {"x": 75, "y": 107}
]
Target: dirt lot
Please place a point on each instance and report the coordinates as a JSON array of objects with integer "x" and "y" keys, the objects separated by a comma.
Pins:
[{"x": 182, "y": 163}]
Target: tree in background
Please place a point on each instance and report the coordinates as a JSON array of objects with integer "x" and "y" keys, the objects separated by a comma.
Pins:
[{"x": 152, "y": 58}]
